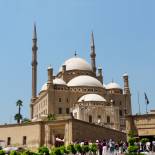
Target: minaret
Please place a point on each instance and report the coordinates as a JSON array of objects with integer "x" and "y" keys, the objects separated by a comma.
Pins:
[
  {"x": 92, "y": 53},
  {"x": 100, "y": 76},
  {"x": 126, "y": 84},
  {"x": 34, "y": 64},
  {"x": 127, "y": 95},
  {"x": 50, "y": 75}
]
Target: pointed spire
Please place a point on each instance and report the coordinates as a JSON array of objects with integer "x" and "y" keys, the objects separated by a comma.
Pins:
[
  {"x": 112, "y": 80},
  {"x": 92, "y": 44},
  {"x": 34, "y": 63},
  {"x": 34, "y": 32},
  {"x": 75, "y": 54},
  {"x": 92, "y": 53}
]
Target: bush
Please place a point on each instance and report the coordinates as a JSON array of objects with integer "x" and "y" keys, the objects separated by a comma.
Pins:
[
  {"x": 93, "y": 147},
  {"x": 14, "y": 153},
  {"x": 144, "y": 140},
  {"x": 27, "y": 152},
  {"x": 85, "y": 148},
  {"x": 56, "y": 151},
  {"x": 71, "y": 148},
  {"x": 2, "y": 152},
  {"x": 132, "y": 140},
  {"x": 78, "y": 148},
  {"x": 134, "y": 154},
  {"x": 63, "y": 150},
  {"x": 43, "y": 150},
  {"x": 132, "y": 149}
]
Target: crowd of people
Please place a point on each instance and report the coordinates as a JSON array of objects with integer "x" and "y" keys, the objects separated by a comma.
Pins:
[
  {"x": 117, "y": 148},
  {"x": 111, "y": 147}
]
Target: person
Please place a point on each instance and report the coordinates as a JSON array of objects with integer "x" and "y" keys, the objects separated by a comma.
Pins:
[
  {"x": 116, "y": 148},
  {"x": 120, "y": 147},
  {"x": 153, "y": 146},
  {"x": 148, "y": 146},
  {"x": 100, "y": 147},
  {"x": 104, "y": 152},
  {"x": 112, "y": 146}
]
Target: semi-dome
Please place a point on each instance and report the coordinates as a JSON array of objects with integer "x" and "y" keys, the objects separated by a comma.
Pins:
[
  {"x": 92, "y": 97},
  {"x": 59, "y": 81},
  {"x": 84, "y": 80},
  {"x": 113, "y": 85},
  {"x": 76, "y": 63},
  {"x": 56, "y": 81},
  {"x": 44, "y": 87}
]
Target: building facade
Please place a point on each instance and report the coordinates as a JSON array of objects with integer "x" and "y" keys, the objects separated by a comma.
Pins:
[
  {"x": 81, "y": 105},
  {"x": 78, "y": 88},
  {"x": 142, "y": 125},
  {"x": 45, "y": 133}
]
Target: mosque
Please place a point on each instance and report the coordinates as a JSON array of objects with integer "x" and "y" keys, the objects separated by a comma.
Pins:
[
  {"x": 78, "y": 88},
  {"x": 83, "y": 106}
]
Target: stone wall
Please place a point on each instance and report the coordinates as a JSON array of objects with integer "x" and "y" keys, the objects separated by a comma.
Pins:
[
  {"x": 143, "y": 125},
  {"x": 32, "y": 132},
  {"x": 83, "y": 130}
]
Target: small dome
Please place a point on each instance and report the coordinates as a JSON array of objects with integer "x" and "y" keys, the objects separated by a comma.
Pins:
[
  {"x": 104, "y": 85},
  {"x": 84, "y": 80},
  {"x": 76, "y": 63},
  {"x": 125, "y": 74},
  {"x": 56, "y": 81},
  {"x": 92, "y": 97},
  {"x": 44, "y": 87},
  {"x": 59, "y": 81},
  {"x": 113, "y": 85}
]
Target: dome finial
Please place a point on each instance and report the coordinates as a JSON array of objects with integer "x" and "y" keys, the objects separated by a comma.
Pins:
[
  {"x": 49, "y": 67},
  {"x": 34, "y": 31},
  {"x": 112, "y": 80},
  {"x": 75, "y": 53}
]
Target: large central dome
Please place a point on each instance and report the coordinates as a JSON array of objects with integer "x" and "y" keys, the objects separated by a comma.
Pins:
[
  {"x": 92, "y": 97},
  {"x": 84, "y": 80},
  {"x": 76, "y": 63}
]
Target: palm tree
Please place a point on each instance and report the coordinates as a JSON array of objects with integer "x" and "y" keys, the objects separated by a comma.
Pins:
[{"x": 18, "y": 116}]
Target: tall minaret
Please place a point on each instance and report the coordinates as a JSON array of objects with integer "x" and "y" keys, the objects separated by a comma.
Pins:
[
  {"x": 127, "y": 95},
  {"x": 92, "y": 53},
  {"x": 34, "y": 64},
  {"x": 126, "y": 84}
]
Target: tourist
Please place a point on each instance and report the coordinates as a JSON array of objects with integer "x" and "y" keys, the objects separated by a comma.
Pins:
[{"x": 104, "y": 144}]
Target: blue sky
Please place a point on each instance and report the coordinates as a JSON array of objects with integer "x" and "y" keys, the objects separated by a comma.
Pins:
[{"x": 124, "y": 32}]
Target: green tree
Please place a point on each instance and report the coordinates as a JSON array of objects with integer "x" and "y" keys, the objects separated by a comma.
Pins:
[
  {"x": 18, "y": 116},
  {"x": 51, "y": 117}
]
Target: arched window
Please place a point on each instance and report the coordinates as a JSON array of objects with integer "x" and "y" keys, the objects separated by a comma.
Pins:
[
  {"x": 24, "y": 140},
  {"x": 120, "y": 113},
  {"x": 108, "y": 119},
  {"x": 67, "y": 110},
  {"x": 59, "y": 99},
  {"x": 60, "y": 110},
  {"x": 9, "y": 141},
  {"x": 90, "y": 118}
]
